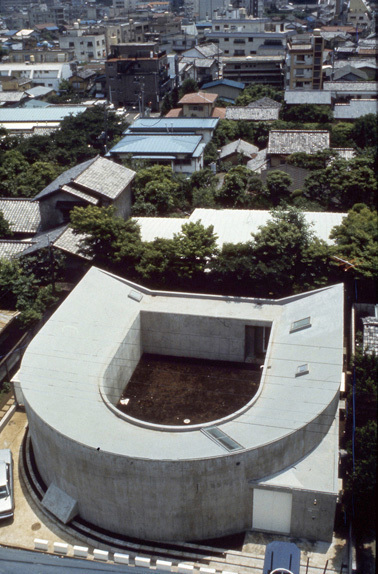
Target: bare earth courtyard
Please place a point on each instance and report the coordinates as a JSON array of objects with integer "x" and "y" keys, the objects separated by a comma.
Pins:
[{"x": 180, "y": 390}]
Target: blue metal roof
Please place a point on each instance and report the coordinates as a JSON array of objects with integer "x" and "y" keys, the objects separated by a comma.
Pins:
[
  {"x": 157, "y": 145},
  {"x": 224, "y": 82},
  {"x": 168, "y": 124},
  {"x": 50, "y": 114}
]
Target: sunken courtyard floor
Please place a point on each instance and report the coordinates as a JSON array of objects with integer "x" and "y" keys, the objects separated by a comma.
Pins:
[{"x": 179, "y": 390}]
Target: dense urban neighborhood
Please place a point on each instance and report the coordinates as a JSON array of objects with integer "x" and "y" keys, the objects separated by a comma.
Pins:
[{"x": 188, "y": 272}]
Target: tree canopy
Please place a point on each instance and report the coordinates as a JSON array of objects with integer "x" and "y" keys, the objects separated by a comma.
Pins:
[{"x": 356, "y": 240}]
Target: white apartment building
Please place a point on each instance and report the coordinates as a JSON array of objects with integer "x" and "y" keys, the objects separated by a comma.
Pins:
[
  {"x": 85, "y": 45},
  {"x": 49, "y": 75}
]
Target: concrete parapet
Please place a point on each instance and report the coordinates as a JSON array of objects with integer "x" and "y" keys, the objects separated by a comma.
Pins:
[
  {"x": 121, "y": 558},
  {"x": 205, "y": 570},
  {"x": 40, "y": 544},
  {"x": 100, "y": 555},
  {"x": 80, "y": 551},
  {"x": 60, "y": 548}
]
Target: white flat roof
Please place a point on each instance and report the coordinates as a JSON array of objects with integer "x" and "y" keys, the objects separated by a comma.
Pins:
[
  {"x": 233, "y": 225},
  {"x": 65, "y": 363}
]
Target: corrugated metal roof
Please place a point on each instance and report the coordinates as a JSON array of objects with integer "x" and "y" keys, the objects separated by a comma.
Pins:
[
  {"x": 157, "y": 144},
  {"x": 23, "y": 215},
  {"x": 167, "y": 125},
  {"x": 307, "y": 97},
  {"x": 224, "y": 82},
  {"x": 47, "y": 114}
]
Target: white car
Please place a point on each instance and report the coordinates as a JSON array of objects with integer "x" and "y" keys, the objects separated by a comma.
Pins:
[{"x": 6, "y": 484}]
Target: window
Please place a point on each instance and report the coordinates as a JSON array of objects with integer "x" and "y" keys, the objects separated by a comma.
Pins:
[
  {"x": 302, "y": 370},
  {"x": 221, "y": 438},
  {"x": 90, "y": 44},
  {"x": 239, "y": 41},
  {"x": 300, "y": 58},
  {"x": 226, "y": 39},
  {"x": 301, "y": 324}
]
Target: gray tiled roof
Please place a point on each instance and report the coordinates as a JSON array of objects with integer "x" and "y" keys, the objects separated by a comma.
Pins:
[
  {"x": 259, "y": 162},
  {"x": 10, "y": 96},
  {"x": 247, "y": 113},
  {"x": 64, "y": 178},
  {"x": 105, "y": 177},
  {"x": 292, "y": 141},
  {"x": 80, "y": 194},
  {"x": 23, "y": 215},
  {"x": 265, "y": 103},
  {"x": 98, "y": 176},
  {"x": 238, "y": 146},
  {"x": 10, "y": 249},
  {"x": 43, "y": 240},
  {"x": 351, "y": 86},
  {"x": 70, "y": 243}
]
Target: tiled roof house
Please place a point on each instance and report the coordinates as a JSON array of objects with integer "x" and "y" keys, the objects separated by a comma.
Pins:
[
  {"x": 283, "y": 143},
  {"x": 97, "y": 181}
]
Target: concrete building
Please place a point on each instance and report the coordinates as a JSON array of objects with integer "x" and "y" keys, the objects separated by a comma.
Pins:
[
  {"x": 85, "y": 44},
  {"x": 266, "y": 69},
  {"x": 42, "y": 74},
  {"x": 137, "y": 74},
  {"x": 304, "y": 62},
  {"x": 270, "y": 466}
]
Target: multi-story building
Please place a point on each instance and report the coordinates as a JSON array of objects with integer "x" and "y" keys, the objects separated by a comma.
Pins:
[
  {"x": 137, "y": 74},
  {"x": 304, "y": 62},
  {"x": 255, "y": 69},
  {"x": 86, "y": 44}
]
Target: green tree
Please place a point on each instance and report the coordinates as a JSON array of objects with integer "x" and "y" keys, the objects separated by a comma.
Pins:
[
  {"x": 364, "y": 132},
  {"x": 342, "y": 184},
  {"x": 278, "y": 186},
  {"x": 356, "y": 240},
  {"x": 22, "y": 291},
  {"x": 360, "y": 484},
  {"x": 283, "y": 251},
  {"x": 13, "y": 167},
  {"x": 189, "y": 86},
  {"x": 194, "y": 248},
  {"x": 5, "y": 229},
  {"x": 156, "y": 191},
  {"x": 111, "y": 241},
  {"x": 239, "y": 188},
  {"x": 306, "y": 113},
  {"x": 341, "y": 135},
  {"x": 254, "y": 92}
]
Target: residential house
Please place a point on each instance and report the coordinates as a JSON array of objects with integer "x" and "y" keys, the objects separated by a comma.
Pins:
[
  {"x": 238, "y": 152},
  {"x": 39, "y": 120},
  {"x": 345, "y": 91},
  {"x": 227, "y": 90},
  {"x": 47, "y": 74},
  {"x": 201, "y": 70},
  {"x": 317, "y": 97},
  {"x": 83, "y": 80},
  {"x": 355, "y": 109},
  {"x": 184, "y": 153},
  {"x": 283, "y": 143},
  {"x": 262, "y": 110},
  {"x": 97, "y": 181},
  {"x": 174, "y": 126}
]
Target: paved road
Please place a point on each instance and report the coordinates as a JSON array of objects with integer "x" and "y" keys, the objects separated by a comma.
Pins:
[{"x": 14, "y": 561}]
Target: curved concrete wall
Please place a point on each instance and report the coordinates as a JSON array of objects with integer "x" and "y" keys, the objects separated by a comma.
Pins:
[{"x": 166, "y": 500}]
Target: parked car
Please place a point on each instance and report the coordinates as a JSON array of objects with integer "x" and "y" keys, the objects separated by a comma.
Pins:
[{"x": 6, "y": 484}]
